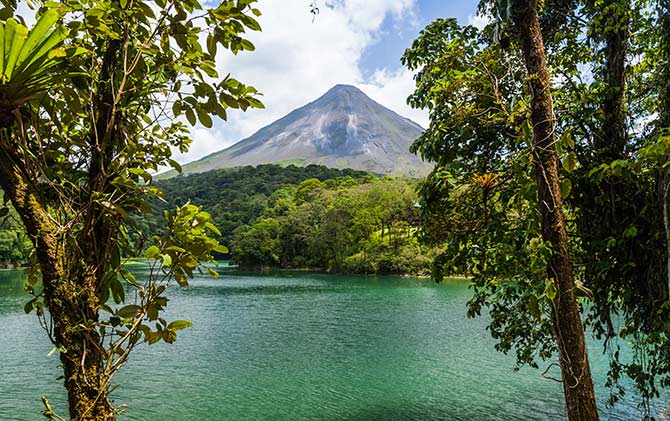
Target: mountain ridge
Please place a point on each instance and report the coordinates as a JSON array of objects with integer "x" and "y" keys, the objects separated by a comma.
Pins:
[{"x": 343, "y": 128}]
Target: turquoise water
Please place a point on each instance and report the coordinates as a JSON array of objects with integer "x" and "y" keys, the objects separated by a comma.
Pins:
[{"x": 301, "y": 347}]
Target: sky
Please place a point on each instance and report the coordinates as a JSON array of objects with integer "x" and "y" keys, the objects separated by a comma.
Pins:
[{"x": 355, "y": 42}]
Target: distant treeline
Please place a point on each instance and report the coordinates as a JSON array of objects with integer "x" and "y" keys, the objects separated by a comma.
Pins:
[
  {"x": 349, "y": 226},
  {"x": 237, "y": 196},
  {"x": 306, "y": 217},
  {"x": 15, "y": 246},
  {"x": 344, "y": 221}
]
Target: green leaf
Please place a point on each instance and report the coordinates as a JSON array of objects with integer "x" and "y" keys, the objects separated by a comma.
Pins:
[
  {"x": 611, "y": 243},
  {"x": 174, "y": 164},
  {"x": 128, "y": 311},
  {"x": 247, "y": 45},
  {"x": 29, "y": 306},
  {"x": 190, "y": 116},
  {"x": 566, "y": 187},
  {"x": 2, "y": 50},
  {"x": 152, "y": 312},
  {"x": 220, "y": 248},
  {"x": 212, "y": 273},
  {"x": 115, "y": 257},
  {"x": 19, "y": 37},
  {"x": 142, "y": 173},
  {"x": 38, "y": 35},
  {"x": 128, "y": 276},
  {"x": 630, "y": 232},
  {"x": 180, "y": 277},
  {"x": 179, "y": 325},
  {"x": 569, "y": 162},
  {"x": 167, "y": 260},
  {"x": 152, "y": 252},
  {"x": 56, "y": 37},
  {"x": 566, "y": 140},
  {"x": 527, "y": 131},
  {"x": 213, "y": 228},
  {"x": 118, "y": 293},
  {"x": 550, "y": 289},
  {"x": 255, "y": 103},
  {"x": 204, "y": 118},
  {"x": 32, "y": 279},
  {"x": 211, "y": 45}
]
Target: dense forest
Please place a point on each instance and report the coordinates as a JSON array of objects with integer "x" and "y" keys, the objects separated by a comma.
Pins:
[
  {"x": 269, "y": 216},
  {"x": 345, "y": 226},
  {"x": 15, "y": 245},
  {"x": 305, "y": 217},
  {"x": 236, "y": 196}
]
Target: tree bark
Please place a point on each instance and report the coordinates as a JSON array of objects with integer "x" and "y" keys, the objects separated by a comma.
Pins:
[
  {"x": 663, "y": 10},
  {"x": 72, "y": 275},
  {"x": 82, "y": 360},
  {"x": 68, "y": 300},
  {"x": 569, "y": 331},
  {"x": 612, "y": 144}
]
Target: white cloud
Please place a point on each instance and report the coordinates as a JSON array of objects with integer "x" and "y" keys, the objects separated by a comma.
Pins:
[
  {"x": 296, "y": 61},
  {"x": 479, "y": 21},
  {"x": 391, "y": 89},
  {"x": 206, "y": 141}
]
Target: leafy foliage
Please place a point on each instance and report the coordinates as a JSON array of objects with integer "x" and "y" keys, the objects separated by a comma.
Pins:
[
  {"x": 342, "y": 225},
  {"x": 480, "y": 199},
  {"x": 15, "y": 246},
  {"x": 27, "y": 61},
  {"x": 235, "y": 196},
  {"x": 92, "y": 99},
  {"x": 611, "y": 110}
]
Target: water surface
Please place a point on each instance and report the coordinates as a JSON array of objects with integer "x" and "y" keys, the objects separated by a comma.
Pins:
[{"x": 301, "y": 346}]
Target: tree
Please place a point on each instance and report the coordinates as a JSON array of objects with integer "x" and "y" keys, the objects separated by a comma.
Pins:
[
  {"x": 336, "y": 225},
  {"x": 609, "y": 99},
  {"x": 92, "y": 102},
  {"x": 577, "y": 383},
  {"x": 481, "y": 118},
  {"x": 615, "y": 125}
]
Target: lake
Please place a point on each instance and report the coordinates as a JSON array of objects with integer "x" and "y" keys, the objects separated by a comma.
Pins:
[{"x": 302, "y": 346}]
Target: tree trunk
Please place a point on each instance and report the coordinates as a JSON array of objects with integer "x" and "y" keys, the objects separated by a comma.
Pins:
[
  {"x": 612, "y": 144},
  {"x": 569, "y": 331},
  {"x": 664, "y": 118},
  {"x": 71, "y": 277},
  {"x": 70, "y": 307},
  {"x": 70, "y": 296}
]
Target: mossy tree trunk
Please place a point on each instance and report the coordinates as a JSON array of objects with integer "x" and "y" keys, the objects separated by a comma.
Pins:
[
  {"x": 569, "y": 331},
  {"x": 73, "y": 260},
  {"x": 70, "y": 295}
]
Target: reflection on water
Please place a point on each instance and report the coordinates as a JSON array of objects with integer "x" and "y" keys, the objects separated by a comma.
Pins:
[{"x": 301, "y": 347}]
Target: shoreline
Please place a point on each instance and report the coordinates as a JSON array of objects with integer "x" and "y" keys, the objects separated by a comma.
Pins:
[{"x": 270, "y": 269}]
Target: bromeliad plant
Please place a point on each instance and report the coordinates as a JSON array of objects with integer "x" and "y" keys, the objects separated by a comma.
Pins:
[{"x": 28, "y": 60}]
